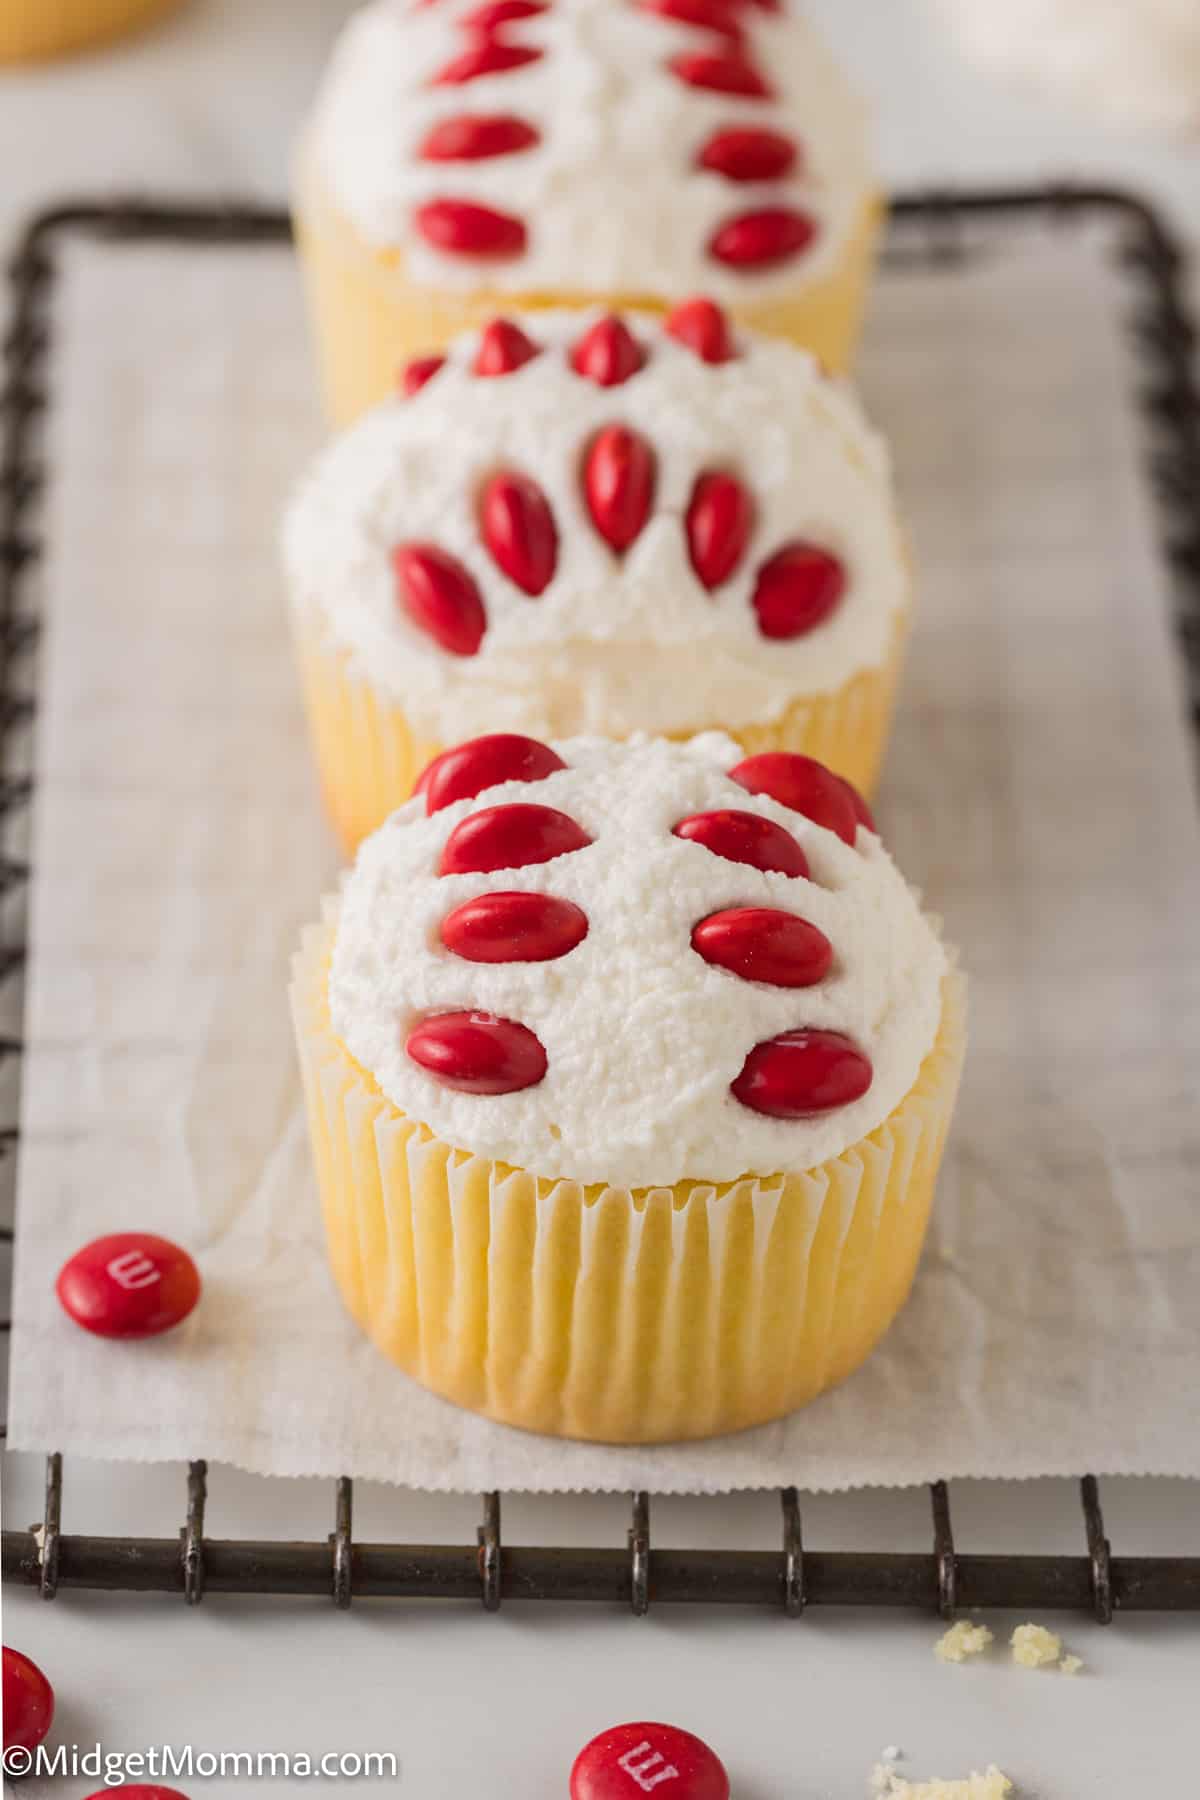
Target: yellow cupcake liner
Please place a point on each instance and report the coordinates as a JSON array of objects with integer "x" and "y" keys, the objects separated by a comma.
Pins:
[
  {"x": 33, "y": 29},
  {"x": 369, "y": 755},
  {"x": 602, "y": 1313},
  {"x": 369, "y": 321}
]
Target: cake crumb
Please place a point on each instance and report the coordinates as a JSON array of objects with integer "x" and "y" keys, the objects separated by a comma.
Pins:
[
  {"x": 1034, "y": 1647},
  {"x": 991, "y": 1785},
  {"x": 1071, "y": 1665},
  {"x": 961, "y": 1641}
]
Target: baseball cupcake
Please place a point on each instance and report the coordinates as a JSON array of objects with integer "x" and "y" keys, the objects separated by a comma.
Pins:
[
  {"x": 595, "y": 523},
  {"x": 31, "y": 30},
  {"x": 628, "y": 1069},
  {"x": 465, "y": 157}
]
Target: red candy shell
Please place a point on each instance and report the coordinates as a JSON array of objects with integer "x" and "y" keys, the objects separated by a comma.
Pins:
[
  {"x": 803, "y": 1073},
  {"x": 514, "y": 927},
  {"x": 477, "y": 1053},
  {"x": 759, "y": 943},
  {"x": 630, "y": 1761},
  {"x": 797, "y": 590},
  {"x": 509, "y": 837},
  {"x": 471, "y": 137},
  {"x": 704, "y": 328},
  {"x": 130, "y": 1284},
  {"x": 463, "y": 228},
  {"x": 745, "y": 837},
  {"x": 440, "y": 597},
  {"x": 804, "y": 785},
  {"x": 28, "y": 1702},
  {"x": 484, "y": 762}
]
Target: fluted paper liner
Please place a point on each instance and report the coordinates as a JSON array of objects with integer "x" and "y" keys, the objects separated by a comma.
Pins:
[
  {"x": 603, "y": 1313},
  {"x": 369, "y": 755},
  {"x": 369, "y": 319},
  {"x": 33, "y": 29}
]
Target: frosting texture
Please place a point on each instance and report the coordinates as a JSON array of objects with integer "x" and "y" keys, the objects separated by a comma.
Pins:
[
  {"x": 613, "y": 197},
  {"x": 614, "y": 642},
  {"x": 642, "y": 1036}
]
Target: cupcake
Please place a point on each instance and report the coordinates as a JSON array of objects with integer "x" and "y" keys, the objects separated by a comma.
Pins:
[
  {"x": 579, "y": 524},
  {"x": 33, "y": 29},
  {"x": 523, "y": 153},
  {"x": 628, "y": 1068}
]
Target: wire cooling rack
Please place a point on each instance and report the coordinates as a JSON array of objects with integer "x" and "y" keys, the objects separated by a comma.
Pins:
[{"x": 942, "y": 229}]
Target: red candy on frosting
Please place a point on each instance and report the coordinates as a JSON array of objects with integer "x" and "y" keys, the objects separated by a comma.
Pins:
[
  {"x": 509, "y": 837},
  {"x": 804, "y": 785},
  {"x": 862, "y": 811},
  {"x": 707, "y": 15},
  {"x": 416, "y": 373},
  {"x": 503, "y": 347},
  {"x": 130, "y": 1284},
  {"x": 514, "y": 927},
  {"x": 759, "y": 240},
  {"x": 477, "y": 1053},
  {"x": 749, "y": 153},
  {"x": 488, "y": 56},
  {"x": 494, "y": 13},
  {"x": 519, "y": 531},
  {"x": 630, "y": 1761},
  {"x": 721, "y": 73},
  {"x": 607, "y": 353},
  {"x": 483, "y": 762},
  {"x": 797, "y": 590},
  {"x": 703, "y": 327},
  {"x": 803, "y": 1073},
  {"x": 720, "y": 518},
  {"x": 28, "y": 1702},
  {"x": 761, "y": 943},
  {"x": 745, "y": 837},
  {"x": 619, "y": 477},
  {"x": 463, "y": 228},
  {"x": 440, "y": 597},
  {"x": 471, "y": 137}
]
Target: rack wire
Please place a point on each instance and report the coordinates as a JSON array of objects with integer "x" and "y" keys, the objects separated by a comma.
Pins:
[{"x": 941, "y": 228}]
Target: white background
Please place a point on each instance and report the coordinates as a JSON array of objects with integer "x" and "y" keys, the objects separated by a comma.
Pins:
[{"x": 497, "y": 1707}]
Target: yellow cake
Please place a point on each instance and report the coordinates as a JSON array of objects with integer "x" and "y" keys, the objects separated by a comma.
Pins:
[
  {"x": 31, "y": 30},
  {"x": 597, "y": 523},
  {"x": 466, "y": 158},
  {"x": 628, "y": 1083}
]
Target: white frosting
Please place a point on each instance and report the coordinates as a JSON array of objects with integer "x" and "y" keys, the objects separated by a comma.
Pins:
[
  {"x": 642, "y": 1036},
  {"x": 612, "y": 645},
  {"x": 610, "y": 197},
  {"x": 1140, "y": 59}
]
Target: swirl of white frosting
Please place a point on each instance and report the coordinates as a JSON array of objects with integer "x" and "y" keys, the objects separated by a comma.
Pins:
[
  {"x": 613, "y": 644},
  {"x": 611, "y": 196},
  {"x": 642, "y": 1036}
]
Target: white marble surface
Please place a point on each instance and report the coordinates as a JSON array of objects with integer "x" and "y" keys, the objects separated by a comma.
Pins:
[{"x": 498, "y": 1706}]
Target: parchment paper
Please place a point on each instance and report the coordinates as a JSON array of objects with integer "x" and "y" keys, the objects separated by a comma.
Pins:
[{"x": 1040, "y": 792}]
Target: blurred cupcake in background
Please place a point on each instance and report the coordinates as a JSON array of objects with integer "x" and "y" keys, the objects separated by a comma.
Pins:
[
  {"x": 31, "y": 30},
  {"x": 592, "y": 522},
  {"x": 1138, "y": 61},
  {"x": 464, "y": 156}
]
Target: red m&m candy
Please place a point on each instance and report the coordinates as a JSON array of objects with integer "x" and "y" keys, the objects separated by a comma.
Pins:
[
  {"x": 140, "y": 1790},
  {"x": 28, "y": 1703},
  {"x": 632, "y": 1760},
  {"x": 129, "y": 1285},
  {"x": 484, "y": 762}
]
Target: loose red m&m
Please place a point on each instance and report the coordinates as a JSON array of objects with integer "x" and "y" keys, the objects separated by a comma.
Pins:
[
  {"x": 28, "y": 1702},
  {"x": 630, "y": 1761},
  {"x": 129, "y": 1285},
  {"x": 140, "y": 1790}
]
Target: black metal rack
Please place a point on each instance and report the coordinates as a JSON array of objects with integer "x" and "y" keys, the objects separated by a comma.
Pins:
[{"x": 929, "y": 228}]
